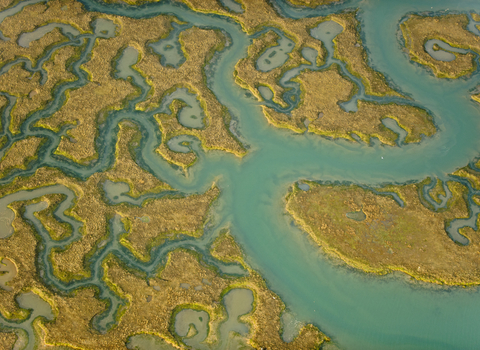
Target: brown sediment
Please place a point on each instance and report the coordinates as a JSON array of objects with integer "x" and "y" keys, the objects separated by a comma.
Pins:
[
  {"x": 26, "y": 87},
  {"x": 7, "y": 340},
  {"x": 247, "y": 75},
  {"x": 4, "y": 4},
  {"x": 9, "y": 50},
  {"x": 56, "y": 229},
  {"x": 183, "y": 160},
  {"x": 18, "y": 81},
  {"x": 417, "y": 30},
  {"x": 20, "y": 248},
  {"x": 90, "y": 207},
  {"x": 103, "y": 93},
  {"x": 41, "y": 94},
  {"x": 20, "y": 154},
  {"x": 311, "y": 3},
  {"x": 33, "y": 16},
  {"x": 168, "y": 217},
  {"x": 181, "y": 215},
  {"x": 471, "y": 175},
  {"x": 366, "y": 122},
  {"x": 265, "y": 317},
  {"x": 258, "y": 14},
  {"x": 86, "y": 105},
  {"x": 389, "y": 237},
  {"x": 152, "y": 305},
  {"x": 3, "y": 103},
  {"x": 199, "y": 45},
  {"x": 349, "y": 48},
  {"x": 321, "y": 93},
  {"x": 265, "y": 320},
  {"x": 437, "y": 191},
  {"x": 90, "y": 202},
  {"x": 140, "y": 315},
  {"x": 225, "y": 249},
  {"x": 127, "y": 170}
]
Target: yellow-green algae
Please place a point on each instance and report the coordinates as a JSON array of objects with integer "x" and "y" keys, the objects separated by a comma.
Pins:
[
  {"x": 321, "y": 93},
  {"x": 411, "y": 239},
  {"x": 452, "y": 29}
]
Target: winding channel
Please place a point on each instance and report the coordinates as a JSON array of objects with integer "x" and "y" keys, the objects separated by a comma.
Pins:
[{"x": 357, "y": 311}]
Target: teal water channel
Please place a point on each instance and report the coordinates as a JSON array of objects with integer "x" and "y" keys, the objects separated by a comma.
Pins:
[{"x": 356, "y": 310}]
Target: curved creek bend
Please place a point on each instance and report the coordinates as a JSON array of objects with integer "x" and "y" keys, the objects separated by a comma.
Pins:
[{"x": 357, "y": 311}]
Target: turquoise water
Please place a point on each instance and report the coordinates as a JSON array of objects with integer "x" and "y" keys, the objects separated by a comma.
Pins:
[
  {"x": 310, "y": 54},
  {"x": 392, "y": 124},
  {"x": 237, "y": 302},
  {"x": 188, "y": 318},
  {"x": 275, "y": 56},
  {"x": 290, "y": 326},
  {"x": 357, "y": 311},
  {"x": 232, "y": 5},
  {"x": 183, "y": 143},
  {"x": 444, "y": 53},
  {"x": 266, "y": 92},
  {"x": 25, "y": 39},
  {"x": 191, "y": 115},
  {"x": 25, "y": 329},
  {"x": 192, "y": 326},
  {"x": 169, "y": 48},
  {"x": 16, "y": 8}
]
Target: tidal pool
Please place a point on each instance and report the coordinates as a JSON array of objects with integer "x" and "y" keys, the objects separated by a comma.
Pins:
[
  {"x": 8, "y": 271},
  {"x": 169, "y": 48},
  {"x": 192, "y": 326},
  {"x": 13, "y": 10},
  {"x": 191, "y": 115},
  {"x": 277, "y": 55},
  {"x": 356, "y": 215},
  {"x": 392, "y": 124},
  {"x": 38, "y": 308},
  {"x": 182, "y": 143},
  {"x": 266, "y": 92},
  {"x": 326, "y": 32},
  {"x": 25, "y": 39},
  {"x": 104, "y": 28},
  {"x": 237, "y": 302},
  {"x": 444, "y": 53},
  {"x": 310, "y": 55},
  {"x": 232, "y": 5},
  {"x": 128, "y": 58}
]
